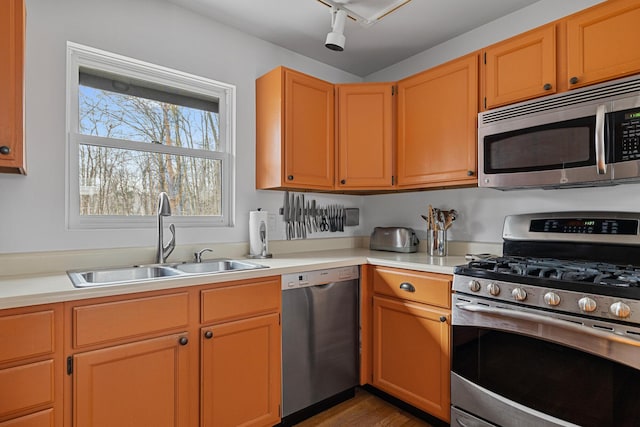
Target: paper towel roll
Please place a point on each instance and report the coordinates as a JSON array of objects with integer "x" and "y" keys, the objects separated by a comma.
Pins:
[{"x": 256, "y": 219}]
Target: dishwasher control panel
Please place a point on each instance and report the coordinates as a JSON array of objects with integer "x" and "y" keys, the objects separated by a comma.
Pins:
[{"x": 319, "y": 277}]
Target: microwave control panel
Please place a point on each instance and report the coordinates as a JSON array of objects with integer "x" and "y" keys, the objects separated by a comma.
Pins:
[{"x": 627, "y": 128}]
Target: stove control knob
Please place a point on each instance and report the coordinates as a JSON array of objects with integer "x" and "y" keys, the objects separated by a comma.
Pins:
[
  {"x": 493, "y": 289},
  {"x": 552, "y": 299},
  {"x": 519, "y": 294},
  {"x": 587, "y": 304},
  {"x": 620, "y": 309},
  {"x": 474, "y": 285}
]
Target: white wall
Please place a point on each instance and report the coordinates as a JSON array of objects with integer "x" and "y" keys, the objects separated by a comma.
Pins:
[
  {"x": 482, "y": 211},
  {"x": 33, "y": 207}
]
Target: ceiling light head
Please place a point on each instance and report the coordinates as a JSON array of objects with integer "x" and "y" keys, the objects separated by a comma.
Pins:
[{"x": 336, "y": 39}]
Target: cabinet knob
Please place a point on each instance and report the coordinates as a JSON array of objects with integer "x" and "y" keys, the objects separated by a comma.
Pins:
[
  {"x": 406, "y": 286},
  {"x": 443, "y": 319},
  {"x": 208, "y": 335},
  {"x": 470, "y": 173},
  {"x": 5, "y": 150},
  {"x": 547, "y": 86},
  {"x": 573, "y": 80},
  {"x": 290, "y": 177},
  {"x": 343, "y": 181},
  {"x": 183, "y": 341}
]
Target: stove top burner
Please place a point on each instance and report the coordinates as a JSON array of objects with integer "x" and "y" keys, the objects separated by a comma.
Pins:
[{"x": 570, "y": 271}]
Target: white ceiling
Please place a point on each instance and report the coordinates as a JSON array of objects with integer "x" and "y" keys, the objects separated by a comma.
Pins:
[{"x": 302, "y": 26}]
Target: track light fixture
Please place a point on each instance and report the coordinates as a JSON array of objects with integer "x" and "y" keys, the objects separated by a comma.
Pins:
[{"x": 336, "y": 39}]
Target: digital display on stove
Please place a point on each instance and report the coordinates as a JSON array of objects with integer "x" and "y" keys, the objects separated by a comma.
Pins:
[{"x": 585, "y": 226}]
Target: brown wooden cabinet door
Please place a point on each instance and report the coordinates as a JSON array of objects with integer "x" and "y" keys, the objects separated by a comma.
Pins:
[
  {"x": 520, "y": 68},
  {"x": 294, "y": 131},
  {"x": 144, "y": 383},
  {"x": 602, "y": 43},
  {"x": 11, "y": 86},
  {"x": 365, "y": 136},
  {"x": 411, "y": 350},
  {"x": 437, "y": 116},
  {"x": 38, "y": 419},
  {"x": 240, "y": 368},
  {"x": 309, "y": 132}
]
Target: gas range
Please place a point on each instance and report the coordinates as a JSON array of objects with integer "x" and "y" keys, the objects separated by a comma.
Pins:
[{"x": 579, "y": 263}]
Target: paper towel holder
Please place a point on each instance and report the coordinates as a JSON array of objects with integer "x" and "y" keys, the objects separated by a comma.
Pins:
[{"x": 263, "y": 239}]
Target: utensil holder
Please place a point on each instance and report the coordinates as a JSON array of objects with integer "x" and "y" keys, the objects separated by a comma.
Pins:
[{"x": 437, "y": 242}]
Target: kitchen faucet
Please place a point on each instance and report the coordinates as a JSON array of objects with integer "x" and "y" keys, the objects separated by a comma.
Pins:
[{"x": 164, "y": 209}]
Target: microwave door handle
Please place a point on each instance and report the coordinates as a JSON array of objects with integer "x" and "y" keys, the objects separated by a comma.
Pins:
[{"x": 599, "y": 141}]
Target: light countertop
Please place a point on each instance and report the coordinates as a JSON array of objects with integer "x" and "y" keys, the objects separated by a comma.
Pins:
[{"x": 25, "y": 290}]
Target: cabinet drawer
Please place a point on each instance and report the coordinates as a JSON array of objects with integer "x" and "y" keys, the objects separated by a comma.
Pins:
[
  {"x": 25, "y": 387},
  {"x": 38, "y": 419},
  {"x": 238, "y": 301},
  {"x": 428, "y": 288},
  {"x": 26, "y": 335},
  {"x": 111, "y": 321}
]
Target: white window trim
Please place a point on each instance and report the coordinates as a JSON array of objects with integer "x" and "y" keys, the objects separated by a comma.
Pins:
[{"x": 84, "y": 56}]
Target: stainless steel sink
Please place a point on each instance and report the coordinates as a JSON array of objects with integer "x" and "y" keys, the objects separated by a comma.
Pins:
[
  {"x": 215, "y": 266},
  {"x": 110, "y": 276},
  {"x": 145, "y": 273}
]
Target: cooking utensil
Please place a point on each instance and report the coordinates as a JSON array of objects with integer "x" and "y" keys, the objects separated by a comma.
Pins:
[{"x": 450, "y": 216}]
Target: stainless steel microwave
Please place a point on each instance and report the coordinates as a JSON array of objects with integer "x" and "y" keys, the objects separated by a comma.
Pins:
[{"x": 585, "y": 137}]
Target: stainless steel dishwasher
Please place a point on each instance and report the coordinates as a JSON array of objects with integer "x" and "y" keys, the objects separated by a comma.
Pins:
[{"x": 320, "y": 340}]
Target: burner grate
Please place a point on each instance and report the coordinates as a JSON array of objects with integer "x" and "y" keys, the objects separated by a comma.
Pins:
[{"x": 564, "y": 270}]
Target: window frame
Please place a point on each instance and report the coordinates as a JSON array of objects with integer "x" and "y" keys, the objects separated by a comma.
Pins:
[{"x": 79, "y": 56}]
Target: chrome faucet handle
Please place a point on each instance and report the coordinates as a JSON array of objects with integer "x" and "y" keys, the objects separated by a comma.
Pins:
[{"x": 198, "y": 255}]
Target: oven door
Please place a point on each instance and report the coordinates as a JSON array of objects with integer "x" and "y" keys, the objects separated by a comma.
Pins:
[{"x": 514, "y": 366}]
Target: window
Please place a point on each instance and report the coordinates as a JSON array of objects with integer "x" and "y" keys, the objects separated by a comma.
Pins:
[{"x": 136, "y": 129}]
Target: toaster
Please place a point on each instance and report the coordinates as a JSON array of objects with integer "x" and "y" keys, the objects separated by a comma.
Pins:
[{"x": 394, "y": 239}]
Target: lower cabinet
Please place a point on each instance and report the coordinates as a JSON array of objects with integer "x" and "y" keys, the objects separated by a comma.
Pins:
[
  {"x": 144, "y": 383},
  {"x": 240, "y": 368},
  {"x": 411, "y": 338},
  {"x": 136, "y": 360},
  {"x": 31, "y": 368},
  {"x": 240, "y": 363}
]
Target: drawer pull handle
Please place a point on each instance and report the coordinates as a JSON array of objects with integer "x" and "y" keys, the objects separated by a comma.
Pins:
[
  {"x": 5, "y": 150},
  {"x": 406, "y": 286},
  {"x": 183, "y": 341},
  {"x": 208, "y": 335},
  {"x": 443, "y": 319}
]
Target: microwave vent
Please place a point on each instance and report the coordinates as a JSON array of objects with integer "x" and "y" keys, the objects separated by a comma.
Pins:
[{"x": 619, "y": 87}]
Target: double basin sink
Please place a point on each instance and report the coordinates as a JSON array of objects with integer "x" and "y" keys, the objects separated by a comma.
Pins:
[{"x": 143, "y": 273}]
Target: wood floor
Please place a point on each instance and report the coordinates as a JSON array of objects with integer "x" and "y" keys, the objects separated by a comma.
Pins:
[{"x": 364, "y": 410}]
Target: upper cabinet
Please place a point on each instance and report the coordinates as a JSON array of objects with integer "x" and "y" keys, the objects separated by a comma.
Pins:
[
  {"x": 12, "y": 27},
  {"x": 365, "y": 136},
  {"x": 601, "y": 42},
  {"x": 437, "y": 116},
  {"x": 294, "y": 131},
  {"x": 588, "y": 47},
  {"x": 520, "y": 68}
]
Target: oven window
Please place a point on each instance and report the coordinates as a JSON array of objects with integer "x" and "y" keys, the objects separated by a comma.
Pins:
[
  {"x": 556, "y": 146},
  {"x": 563, "y": 382}
]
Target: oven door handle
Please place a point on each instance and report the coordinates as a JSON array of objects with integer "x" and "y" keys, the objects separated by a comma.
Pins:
[
  {"x": 601, "y": 164},
  {"x": 550, "y": 321}
]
